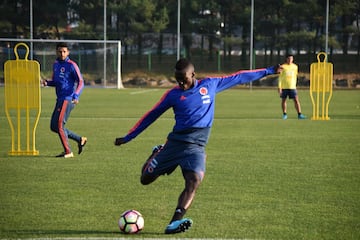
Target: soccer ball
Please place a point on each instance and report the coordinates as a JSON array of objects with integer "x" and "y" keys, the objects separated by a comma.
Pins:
[{"x": 131, "y": 221}]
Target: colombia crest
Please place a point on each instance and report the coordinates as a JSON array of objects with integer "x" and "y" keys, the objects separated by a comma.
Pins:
[{"x": 203, "y": 91}]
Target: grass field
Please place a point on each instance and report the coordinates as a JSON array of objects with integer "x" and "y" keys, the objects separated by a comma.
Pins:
[{"x": 266, "y": 178}]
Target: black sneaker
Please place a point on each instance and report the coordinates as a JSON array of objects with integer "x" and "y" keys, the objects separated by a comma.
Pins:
[
  {"x": 81, "y": 144},
  {"x": 157, "y": 148}
]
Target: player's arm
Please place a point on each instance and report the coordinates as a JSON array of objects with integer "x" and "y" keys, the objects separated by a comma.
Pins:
[
  {"x": 280, "y": 80},
  {"x": 51, "y": 82},
  {"x": 80, "y": 83},
  {"x": 42, "y": 80},
  {"x": 246, "y": 76},
  {"x": 46, "y": 82},
  {"x": 146, "y": 120},
  {"x": 279, "y": 85}
]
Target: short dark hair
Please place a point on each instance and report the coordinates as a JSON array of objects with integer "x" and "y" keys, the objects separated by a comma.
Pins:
[
  {"x": 289, "y": 55},
  {"x": 61, "y": 45},
  {"x": 182, "y": 64}
]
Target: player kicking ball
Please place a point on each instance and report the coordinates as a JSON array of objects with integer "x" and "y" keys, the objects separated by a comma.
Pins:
[{"x": 193, "y": 103}]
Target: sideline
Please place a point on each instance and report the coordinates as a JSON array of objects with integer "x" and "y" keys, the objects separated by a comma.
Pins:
[
  {"x": 144, "y": 91},
  {"x": 124, "y": 238}
]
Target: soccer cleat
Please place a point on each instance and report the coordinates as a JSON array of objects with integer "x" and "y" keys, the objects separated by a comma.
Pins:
[
  {"x": 65, "y": 155},
  {"x": 301, "y": 116},
  {"x": 178, "y": 226},
  {"x": 157, "y": 148},
  {"x": 284, "y": 117},
  {"x": 81, "y": 144}
]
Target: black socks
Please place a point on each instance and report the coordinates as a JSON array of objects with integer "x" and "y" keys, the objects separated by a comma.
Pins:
[{"x": 179, "y": 214}]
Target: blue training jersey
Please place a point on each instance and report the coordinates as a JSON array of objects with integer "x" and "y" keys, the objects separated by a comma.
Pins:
[
  {"x": 194, "y": 108},
  {"x": 67, "y": 80}
]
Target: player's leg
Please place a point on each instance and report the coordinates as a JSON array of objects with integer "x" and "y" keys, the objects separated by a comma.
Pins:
[
  {"x": 81, "y": 140},
  {"x": 64, "y": 114},
  {"x": 283, "y": 107},
  {"x": 193, "y": 168},
  {"x": 54, "y": 126},
  {"x": 57, "y": 125},
  {"x": 192, "y": 183},
  {"x": 149, "y": 166},
  {"x": 146, "y": 179},
  {"x": 297, "y": 104},
  {"x": 179, "y": 224}
]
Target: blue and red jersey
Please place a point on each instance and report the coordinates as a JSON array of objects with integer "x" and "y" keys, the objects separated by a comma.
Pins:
[
  {"x": 194, "y": 108},
  {"x": 67, "y": 80}
]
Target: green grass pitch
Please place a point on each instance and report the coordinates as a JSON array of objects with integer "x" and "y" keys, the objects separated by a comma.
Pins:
[{"x": 266, "y": 178}]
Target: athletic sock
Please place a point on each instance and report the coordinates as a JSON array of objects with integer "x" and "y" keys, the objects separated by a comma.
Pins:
[{"x": 179, "y": 214}]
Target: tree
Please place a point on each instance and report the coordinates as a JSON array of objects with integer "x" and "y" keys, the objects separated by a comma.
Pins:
[
  {"x": 269, "y": 24},
  {"x": 290, "y": 25},
  {"x": 49, "y": 17},
  {"x": 189, "y": 9},
  {"x": 14, "y": 18},
  {"x": 137, "y": 17},
  {"x": 346, "y": 11},
  {"x": 230, "y": 12},
  {"x": 91, "y": 12}
]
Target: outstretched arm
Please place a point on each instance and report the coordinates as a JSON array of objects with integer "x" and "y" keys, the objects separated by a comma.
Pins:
[
  {"x": 145, "y": 121},
  {"x": 246, "y": 76}
]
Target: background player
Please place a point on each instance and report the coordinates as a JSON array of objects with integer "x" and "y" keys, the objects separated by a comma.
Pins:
[
  {"x": 287, "y": 86},
  {"x": 69, "y": 84}
]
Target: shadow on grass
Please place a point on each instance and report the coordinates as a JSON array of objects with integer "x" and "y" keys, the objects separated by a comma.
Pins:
[
  {"x": 69, "y": 233},
  {"x": 346, "y": 117}
]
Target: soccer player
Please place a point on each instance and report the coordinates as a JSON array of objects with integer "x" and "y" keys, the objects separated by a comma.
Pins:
[
  {"x": 69, "y": 84},
  {"x": 193, "y": 103},
  {"x": 287, "y": 86}
]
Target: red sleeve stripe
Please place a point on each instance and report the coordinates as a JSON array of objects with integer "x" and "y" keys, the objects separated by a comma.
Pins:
[
  {"x": 81, "y": 81},
  {"x": 148, "y": 112},
  {"x": 241, "y": 71}
]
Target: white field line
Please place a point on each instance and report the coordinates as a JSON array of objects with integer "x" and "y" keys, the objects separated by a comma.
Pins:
[
  {"x": 143, "y": 91},
  {"x": 111, "y": 238}
]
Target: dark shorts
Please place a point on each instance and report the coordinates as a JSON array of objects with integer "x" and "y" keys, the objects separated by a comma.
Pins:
[
  {"x": 291, "y": 93},
  {"x": 189, "y": 156}
]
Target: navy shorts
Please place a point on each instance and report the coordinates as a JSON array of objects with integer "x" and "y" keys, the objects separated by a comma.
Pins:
[
  {"x": 189, "y": 156},
  {"x": 291, "y": 93}
]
